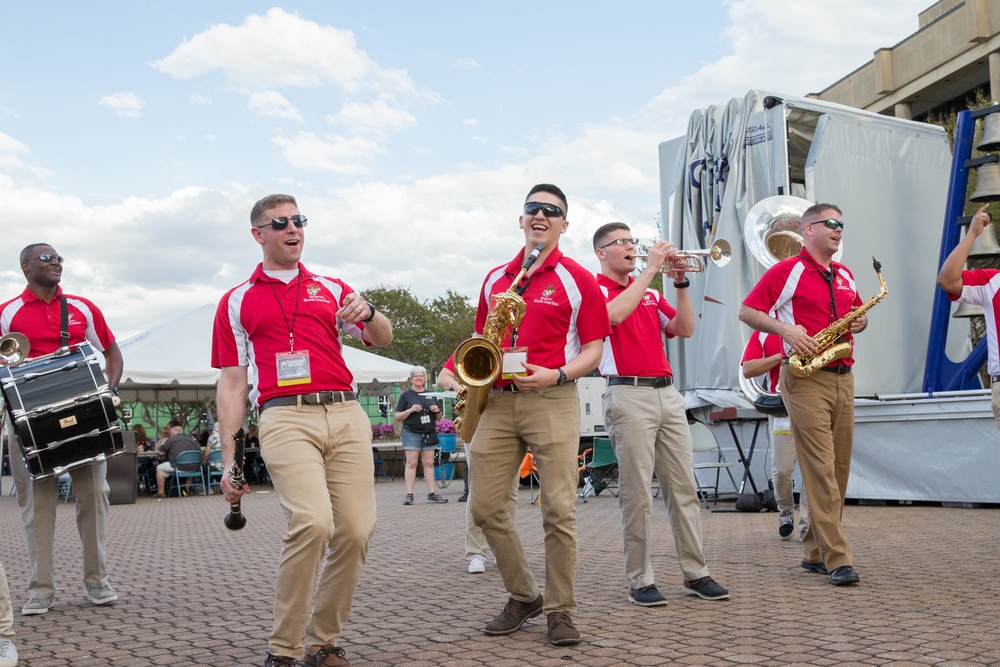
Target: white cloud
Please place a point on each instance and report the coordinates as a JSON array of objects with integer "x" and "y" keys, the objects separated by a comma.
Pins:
[
  {"x": 283, "y": 49},
  {"x": 124, "y": 104},
  {"x": 470, "y": 122},
  {"x": 333, "y": 153},
  {"x": 467, "y": 64},
  {"x": 377, "y": 118},
  {"x": 198, "y": 98},
  {"x": 9, "y": 144},
  {"x": 271, "y": 103}
]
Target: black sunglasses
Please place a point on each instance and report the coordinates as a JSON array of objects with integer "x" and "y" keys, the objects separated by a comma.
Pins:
[
  {"x": 830, "y": 224},
  {"x": 548, "y": 210},
  {"x": 48, "y": 257},
  {"x": 280, "y": 224}
]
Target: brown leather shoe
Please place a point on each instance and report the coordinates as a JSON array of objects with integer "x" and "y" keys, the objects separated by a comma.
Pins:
[
  {"x": 562, "y": 632},
  {"x": 513, "y": 616},
  {"x": 328, "y": 656}
]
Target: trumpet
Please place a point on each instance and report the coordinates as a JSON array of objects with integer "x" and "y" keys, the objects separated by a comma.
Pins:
[{"x": 719, "y": 254}]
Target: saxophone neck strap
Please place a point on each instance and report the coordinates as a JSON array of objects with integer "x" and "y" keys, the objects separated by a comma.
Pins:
[{"x": 828, "y": 276}]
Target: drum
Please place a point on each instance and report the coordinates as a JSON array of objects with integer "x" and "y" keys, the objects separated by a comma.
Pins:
[{"x": 62, "y": 411}]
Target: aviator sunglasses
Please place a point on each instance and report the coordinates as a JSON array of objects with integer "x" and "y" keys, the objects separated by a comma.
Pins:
[
  {"x": 830, "y": 223},
  {"x": 280, "y": 224},
  {"x": 548, "y": 210}
]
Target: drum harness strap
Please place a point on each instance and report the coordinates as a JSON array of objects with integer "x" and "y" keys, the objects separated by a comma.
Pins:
[{"x": 64, "y": 323}]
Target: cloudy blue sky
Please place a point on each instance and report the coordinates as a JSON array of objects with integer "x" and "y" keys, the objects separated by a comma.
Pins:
[{"x": 136, "y": 135}]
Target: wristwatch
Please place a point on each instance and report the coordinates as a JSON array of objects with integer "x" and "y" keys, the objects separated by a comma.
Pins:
[
  {"x": 683, "y": 285},
  {"x": 371, "y": 314},
  {"x": 562, "y": 378}
]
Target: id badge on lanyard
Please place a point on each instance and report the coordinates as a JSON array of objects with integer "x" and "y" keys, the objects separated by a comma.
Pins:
[{"x": 293, "y": 368}]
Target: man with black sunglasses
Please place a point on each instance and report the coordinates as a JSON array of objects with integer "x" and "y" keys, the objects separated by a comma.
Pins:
[
  {"x": 37, "y": 313},
  {"x": 562, "y": 335},
  {"x": 795, "y": 299},
  {"x": 645, "y": 414},
  {"x": 286, "y": 322}
]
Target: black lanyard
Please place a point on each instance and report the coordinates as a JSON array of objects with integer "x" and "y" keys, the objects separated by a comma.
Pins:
[
  {"x": 295, "y": 313},
  {"x": 828, "y": 276}
]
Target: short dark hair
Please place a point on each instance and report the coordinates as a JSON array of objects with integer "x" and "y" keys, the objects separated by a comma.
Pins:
[
  {"x": 552, "y": 190},
  {"x": 816, "y": 208},
  {"x": 29, "y": 251},
  {"x": 602, "y": 232},
  {"x": 266, "y": 204}
]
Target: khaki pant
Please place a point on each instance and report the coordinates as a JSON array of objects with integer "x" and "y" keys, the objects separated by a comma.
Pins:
[
  {"x": 475, "y": 541},
  {"x": 6, "y": 611},
  {"x": 649, "y": 432},
  {"x": 549, "y": 423},
  {"x": 821, "y": 408},
  {"x": 320, "y": 460},
  {"x": 38, "y": 499},
  {"x": 783, "y": 461}
]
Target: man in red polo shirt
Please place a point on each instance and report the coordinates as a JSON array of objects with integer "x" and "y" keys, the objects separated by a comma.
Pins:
[
  {"x": 286, "y": 323},
  {"x": 37, "y": 314},
  {"x": 764, "y": 354},
  {"x": 563, "y": 330},
  {"x": 980, "y": 287},
  {"x": 796, "y": 298},
  {"x": 645, "y": 415}
]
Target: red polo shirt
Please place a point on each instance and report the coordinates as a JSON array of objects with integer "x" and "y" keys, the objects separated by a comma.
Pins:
[
  {"x": 564, "y": 309},
  {"x": 795, "y": 291},
  {"x": 981, "y": 287},
  {"x": 763, "y": 345},
  {"x": 41, "y": 322},
  {"x": 252, "y": 326},
  {"x": 635, "y": 346}
]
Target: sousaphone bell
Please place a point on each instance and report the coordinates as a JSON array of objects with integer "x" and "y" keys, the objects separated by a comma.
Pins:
[{"x": 772, "y": 229}]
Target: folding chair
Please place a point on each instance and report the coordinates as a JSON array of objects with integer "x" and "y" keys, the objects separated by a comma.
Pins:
[
  {"x": 379, "y": 464},
  {"x": 703, "y": 440},
  {"x": 214, "y": 470},
  {"x": 188, "y": 466},
  {"x": 602, "y": 470},
  {"x": 529, "y": 470}
]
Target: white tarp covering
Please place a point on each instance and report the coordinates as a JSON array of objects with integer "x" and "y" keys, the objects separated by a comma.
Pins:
[{"x": 172, "y": 361}]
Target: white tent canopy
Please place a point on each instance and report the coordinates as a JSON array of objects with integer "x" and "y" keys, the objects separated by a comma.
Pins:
[{"x": 172, "y": 361}]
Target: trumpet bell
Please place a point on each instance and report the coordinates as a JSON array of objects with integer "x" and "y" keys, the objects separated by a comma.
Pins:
[
  {"x": 14, "y": 348},
  {"x": 720, "y": 253}
]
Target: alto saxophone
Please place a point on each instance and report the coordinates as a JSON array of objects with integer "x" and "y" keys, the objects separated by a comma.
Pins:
[
  {"x": 804, "y": 365},
  {"x": 478, "y": 360}
]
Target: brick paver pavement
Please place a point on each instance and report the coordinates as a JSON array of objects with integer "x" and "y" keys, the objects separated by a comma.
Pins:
[{"x": 193, "y": 593}]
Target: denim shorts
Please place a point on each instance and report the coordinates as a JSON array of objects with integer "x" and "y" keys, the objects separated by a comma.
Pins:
[{"x": 414, "y": 442}]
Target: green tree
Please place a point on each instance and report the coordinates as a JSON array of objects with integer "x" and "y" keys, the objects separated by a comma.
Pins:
[{"x": 424, "y": 333}]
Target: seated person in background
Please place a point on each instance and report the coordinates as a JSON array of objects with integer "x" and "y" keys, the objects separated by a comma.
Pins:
[
  {"x": 177, "y": 442},
  {"x": 142, "y": 441}
]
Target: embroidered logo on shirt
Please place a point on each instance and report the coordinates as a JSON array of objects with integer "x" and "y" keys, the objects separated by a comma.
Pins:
[
  {"x": 315, "y": 294},
  {"x": 546, "y": 296}
]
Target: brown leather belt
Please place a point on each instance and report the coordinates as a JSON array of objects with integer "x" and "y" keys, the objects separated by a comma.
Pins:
[
  {"x": 319, "y": 398},
  {"x": 636, "y": 381}
]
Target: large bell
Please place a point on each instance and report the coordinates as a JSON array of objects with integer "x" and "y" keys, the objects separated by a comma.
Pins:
[
  {"x": 991, "y": 134},
  {"x": 968, "y": 310},
  {"x": 986, "y": 245},
  {"x": 987, "y": 183}
]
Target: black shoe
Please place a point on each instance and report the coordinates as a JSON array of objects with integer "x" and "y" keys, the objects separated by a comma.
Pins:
[
  {"x": 647, "y": 596},
  {"x": 844, "y": 575},
  {"x": 706, "y": 589},
  {"x": 819, "y": 568},
  {"x": 463, "y": 498},
  {"x": 279, "y": 660},
  {"x": 786, "y": 526}
]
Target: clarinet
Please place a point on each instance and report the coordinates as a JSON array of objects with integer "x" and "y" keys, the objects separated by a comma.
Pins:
[{"x": 235, "y": 519}]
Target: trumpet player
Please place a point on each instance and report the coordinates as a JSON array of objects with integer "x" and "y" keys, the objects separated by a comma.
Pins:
[
  {"x": 644, "y": 413},
  {"x": 563, "y": 329},
  {"x": 795, "y": 299},
  {"x": 977, "y": 287}
]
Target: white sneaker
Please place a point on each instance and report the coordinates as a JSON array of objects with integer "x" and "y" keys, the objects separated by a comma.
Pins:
[
  {"x": 477, "y": 565},
  {"x": 102, "y": 595},
  {"x": 34, "y": 606},
  {"x": 8, "y": 654}
]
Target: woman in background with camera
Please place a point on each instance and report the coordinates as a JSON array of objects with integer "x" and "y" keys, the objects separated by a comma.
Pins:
[{"x": 418, "y": 414}]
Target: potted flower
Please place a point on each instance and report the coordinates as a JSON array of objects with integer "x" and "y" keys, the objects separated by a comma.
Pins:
[{"x": 383, "y": 431}]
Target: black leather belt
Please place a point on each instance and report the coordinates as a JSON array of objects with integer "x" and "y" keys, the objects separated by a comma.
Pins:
[
  {"x": 836, "y": 370},
  {"x": 319, "y": 398},
  {"x": 994, "y": 378},
  {"x": 635, "y": 381}
]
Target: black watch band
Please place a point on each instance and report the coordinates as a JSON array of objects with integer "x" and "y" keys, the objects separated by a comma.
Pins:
[
  {"x": 371, "y": 314},
  {"x": 683, "y": 285},
  {"x": 562, "y": 378}
]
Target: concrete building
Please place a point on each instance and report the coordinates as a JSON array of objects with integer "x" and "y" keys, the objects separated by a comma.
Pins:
[{"x": 955, "y": 51}]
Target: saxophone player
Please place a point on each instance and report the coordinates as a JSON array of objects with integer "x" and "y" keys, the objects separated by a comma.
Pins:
[
  {"x": 563, "y": 329},
  {"x": 795, "y": 299}
]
